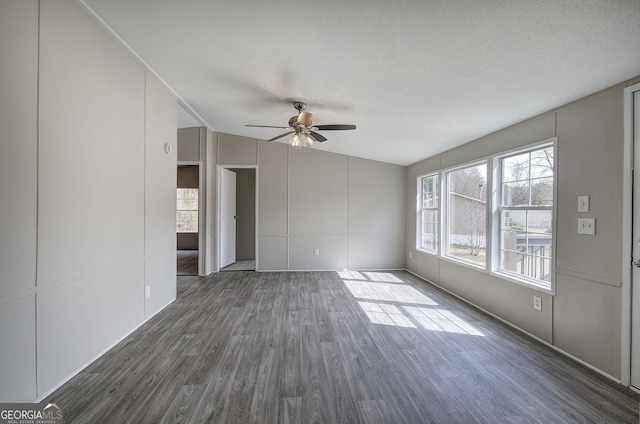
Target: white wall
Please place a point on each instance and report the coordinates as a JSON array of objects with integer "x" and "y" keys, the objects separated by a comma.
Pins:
[
  {"x": 352, "y": 210},
  {"x": 18, "y": 182},
  {"x": 159, "y": 196},
  {"x": 583, "y": 319},
  {"x": 95, "y": 194}
]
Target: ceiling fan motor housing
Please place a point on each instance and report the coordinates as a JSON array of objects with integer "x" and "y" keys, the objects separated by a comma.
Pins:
[{"x": 304, "y": 119}]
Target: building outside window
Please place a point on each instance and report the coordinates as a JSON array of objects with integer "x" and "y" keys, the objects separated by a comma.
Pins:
[
  {"x": 526, "y": 214},
  {"x": 466, "y": 217}
]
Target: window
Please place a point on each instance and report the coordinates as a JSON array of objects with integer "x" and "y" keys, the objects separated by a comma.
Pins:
[
  {"x": 187, "y": 210},
  {"x": 428, "y": 211},
  {"x": 526, "y": 214},
  {"x": 466, "y": 217}
]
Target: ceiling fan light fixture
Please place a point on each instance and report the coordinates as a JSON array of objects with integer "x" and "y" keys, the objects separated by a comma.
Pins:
[
  {"x": 309, "y": 140},
  {"x": 303, "y": 132},
  {"x": 296, "y": 141}
]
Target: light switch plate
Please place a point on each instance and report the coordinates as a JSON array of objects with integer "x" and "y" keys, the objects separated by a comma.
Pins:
[
  {"x": 587, "y": 226},
  {"x": 583, "y": 203}
]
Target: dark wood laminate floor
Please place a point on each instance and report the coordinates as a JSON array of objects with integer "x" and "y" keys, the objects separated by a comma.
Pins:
[
  {"x": 329, "y": 347},
  {"x": 241, "y": 265},
  {"x": 187, "y": 262}
]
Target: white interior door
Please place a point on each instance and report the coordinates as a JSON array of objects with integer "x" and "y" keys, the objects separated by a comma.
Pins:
[
  {"x": 227, "y": 217},
  {"x": 635, "y": 299}
]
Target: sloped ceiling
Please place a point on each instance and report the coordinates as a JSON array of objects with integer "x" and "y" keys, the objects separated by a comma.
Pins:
[{"x": 417, "y": 77}]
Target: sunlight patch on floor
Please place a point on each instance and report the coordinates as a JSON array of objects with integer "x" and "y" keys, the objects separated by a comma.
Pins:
[
  {"x": 370, "y": 276},
  {"x": 441, "y": 320},
  {"x": 387, "y": 292},
  {"x": 387, "y": 300},
  {"x": 383, "y": 276},
  {"x": 385, "y": 314}
]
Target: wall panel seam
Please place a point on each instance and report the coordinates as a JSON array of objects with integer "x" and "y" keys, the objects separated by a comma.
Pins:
[
  {"x": 18, "y": 295},
  {"x": 590, "y": 277},
  {"x": 84, "y": 275}
]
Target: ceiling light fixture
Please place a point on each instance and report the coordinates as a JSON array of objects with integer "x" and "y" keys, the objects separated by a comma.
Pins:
[
  {"x": 301, "y": 139},
  {"x": 296, "y": 141},
  {"x": 304, "y": 132}
]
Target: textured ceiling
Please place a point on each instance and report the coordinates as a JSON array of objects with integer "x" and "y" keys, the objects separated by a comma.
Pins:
[{"x": 417, "y": 77}]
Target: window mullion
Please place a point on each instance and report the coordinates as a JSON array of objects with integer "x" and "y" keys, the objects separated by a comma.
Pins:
[{"x": 528, "y": 254}]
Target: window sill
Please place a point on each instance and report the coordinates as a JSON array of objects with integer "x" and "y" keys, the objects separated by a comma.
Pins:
[
  {"x": 471, "y": 265},
  {"x": 428, "y": 252}
]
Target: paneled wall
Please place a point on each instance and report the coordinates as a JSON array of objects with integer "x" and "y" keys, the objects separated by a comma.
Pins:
[
  {"x": 19, "y": 184},
  {"x": 583, "y": 318},
  {"x": 92, "y": 218},
  {"x": 351, "y": 210}
]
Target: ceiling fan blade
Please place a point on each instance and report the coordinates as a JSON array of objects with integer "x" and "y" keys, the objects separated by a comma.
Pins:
[
  {"x": 266, "y": 126},
  {"x": 304, "y": 119},
  {"x": 335, "y": 127},
  {"x": 318, "y": 137},
  {"x": 281, "y": 135}
]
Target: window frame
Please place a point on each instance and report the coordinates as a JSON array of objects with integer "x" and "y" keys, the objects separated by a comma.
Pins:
[
  {"x": 498, "y": 208},
  {"x": 446, "y": 221},
  {"x": 197, "y": 210},
  {"x": 420, "y": 208}
]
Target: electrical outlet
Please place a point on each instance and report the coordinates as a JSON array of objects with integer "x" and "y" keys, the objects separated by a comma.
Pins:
[
  {"x": 147, "y": 292},
  {"x": 587, "y": 226},
  {"x": 537, "y": 303},
  {"x": 316, "y": 252}
]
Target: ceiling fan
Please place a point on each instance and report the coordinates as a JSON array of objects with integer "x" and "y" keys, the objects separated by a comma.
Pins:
[{"x": 301, "y": 126}]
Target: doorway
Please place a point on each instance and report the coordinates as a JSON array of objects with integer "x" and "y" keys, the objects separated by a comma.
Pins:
[
  {"x": 237, "y": 218},
  {"x": 187, "y": 219}
]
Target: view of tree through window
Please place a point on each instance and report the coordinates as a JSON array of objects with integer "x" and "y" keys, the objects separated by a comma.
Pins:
[
  {"x": 187, "y": 210},
  {"x": 526, "y": 214},
  {"x": 521, "y": 204},
  {"x": 467, "y": 213}
]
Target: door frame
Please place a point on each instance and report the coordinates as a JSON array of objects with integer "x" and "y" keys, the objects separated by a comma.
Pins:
[
  {"x": 627, "y": 234},
  {"x": 218, "y": 208},
  {"x": 201, "y": 211}
]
